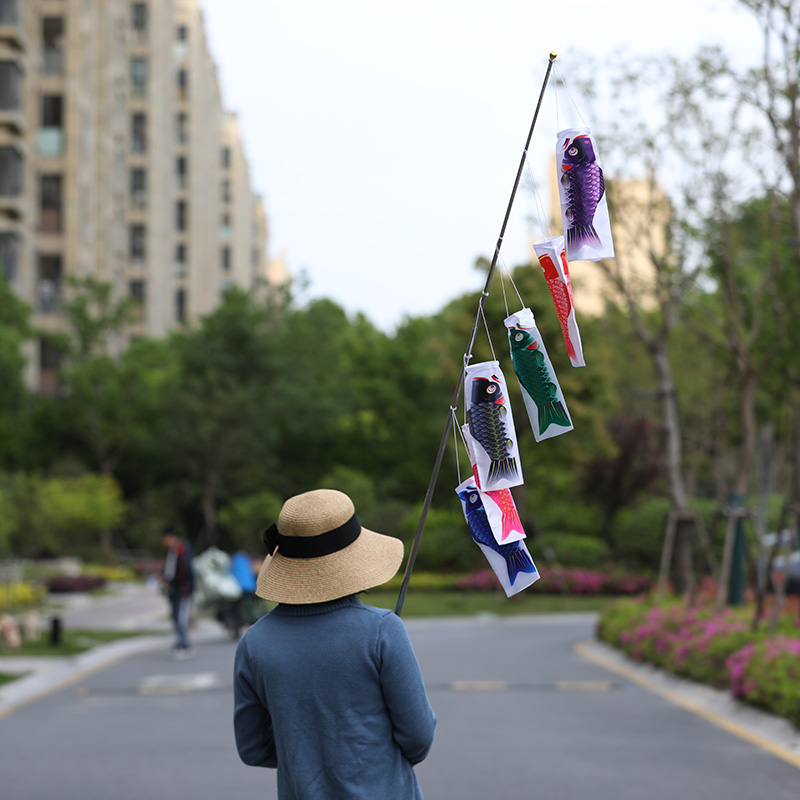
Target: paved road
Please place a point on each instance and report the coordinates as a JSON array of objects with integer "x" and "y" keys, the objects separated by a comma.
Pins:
[{"x": 522, "y": 715}]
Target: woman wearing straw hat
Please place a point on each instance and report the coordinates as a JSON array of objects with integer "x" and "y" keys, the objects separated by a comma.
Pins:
[{"x": 326, "y": 688}]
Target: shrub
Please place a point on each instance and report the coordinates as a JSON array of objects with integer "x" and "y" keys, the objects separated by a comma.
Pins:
[
  {"x": 767, "y": 674},
  {"x": 717, "y": 648},
  {"x": 567, "y": 581},
  {"x": 121, "y": 574},
  {"x": 571, "y": 550},
  {"x": 447, "y": 545},
  {"x": 14, "y": 596}
]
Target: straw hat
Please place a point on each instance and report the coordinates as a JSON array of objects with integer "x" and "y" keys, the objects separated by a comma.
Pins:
[{"x": 320, "y": 552}]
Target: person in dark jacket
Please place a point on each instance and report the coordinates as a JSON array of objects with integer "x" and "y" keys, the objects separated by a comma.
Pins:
[
  {"x": 327, "y": 689},
  {"x": 178, "y": 577}
]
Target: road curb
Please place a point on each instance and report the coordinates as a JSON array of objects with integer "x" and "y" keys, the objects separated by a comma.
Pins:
[{"x": 767, "y": 731}]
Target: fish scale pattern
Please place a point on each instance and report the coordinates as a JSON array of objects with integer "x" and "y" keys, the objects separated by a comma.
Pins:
[{"x": 487, "y": 425}]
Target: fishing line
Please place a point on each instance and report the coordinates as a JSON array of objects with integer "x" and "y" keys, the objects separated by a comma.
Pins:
[
  {"x": 511, "y": 278},
  {"x": 540, "y": 212},
  {"x": 566, "y": 89},
  {"x": 460, "y": 383},
  {"x": 503, "y": 285},
  {"x": 455, "y": 443}
]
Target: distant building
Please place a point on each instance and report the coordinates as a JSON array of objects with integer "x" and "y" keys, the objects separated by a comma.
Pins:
[
  {"x": 118, "y": 161},
  {"x": 638, "y": 225}
]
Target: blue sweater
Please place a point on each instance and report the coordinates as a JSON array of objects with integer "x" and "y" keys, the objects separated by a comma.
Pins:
[{"x": 331, "y": 694}]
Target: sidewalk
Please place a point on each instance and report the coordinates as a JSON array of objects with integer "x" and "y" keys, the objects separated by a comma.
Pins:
[{"x": 129, "y": 607}]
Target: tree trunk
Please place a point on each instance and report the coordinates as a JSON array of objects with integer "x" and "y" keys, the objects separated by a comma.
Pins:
[{"x": 681, "y": 560}]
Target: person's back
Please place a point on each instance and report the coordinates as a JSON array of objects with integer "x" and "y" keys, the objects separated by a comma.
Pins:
[{"x": 327, "y": 689}]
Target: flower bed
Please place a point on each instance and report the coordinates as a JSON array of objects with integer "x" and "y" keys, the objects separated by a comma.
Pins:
[
  {"x": 64, "y": 584},
  {"x": 717, "y": 648},
  {"x": 568, "y": 581}
]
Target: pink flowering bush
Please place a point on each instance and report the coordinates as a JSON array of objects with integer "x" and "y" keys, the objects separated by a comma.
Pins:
[
  {"x": 718, "y": 648},
  {"x": 569, "y": 581},
  {"x": 767, "y": 674}
]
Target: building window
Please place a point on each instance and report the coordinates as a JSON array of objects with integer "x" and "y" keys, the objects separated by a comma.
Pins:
[
  {"x": 10, "y": 172},
  {"x": 50, "y": 140},
  {"x": 49, "y": 283},
  {"x": 138, "y": 77},
  {"x": 226, "y": 158},
  {"x": 138, "y": 133},
  {"x": 225, "y": 227},
  {"x": 181, "y": 215},
  {"x": 181, "y": 46},
  {"x": 9, "y": 257},
  {"x": 180, "y": 305},
  {"x": 10, "y": 86},
  {"x": 50, "y": 205},
  {"x": 180, "y": 260},
  {"x": 139, "y": 21},
  {"x": 49, "y": 362},
  {"x": 182, "y": 127},
  {"x": 137, "y": 245},
  {"x": 183, "y": 84},
  {"x": 138, "y": 187},
  {"x": 226, "y": 191},
  {"x": 182, "y": 172},
  {"x": 225, "y": 258},
  {"x": 136, "y": 289},
  {"x": 53, "y": 45}
]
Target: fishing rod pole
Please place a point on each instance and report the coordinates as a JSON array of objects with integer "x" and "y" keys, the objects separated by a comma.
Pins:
[{"x": 412, "y": 557}]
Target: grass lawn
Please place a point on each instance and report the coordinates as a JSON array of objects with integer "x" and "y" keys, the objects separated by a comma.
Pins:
[
  {"x": 74, "y": 641},
  {"x": 421, "y": 603},
  {"x": 6, "y": 677}
]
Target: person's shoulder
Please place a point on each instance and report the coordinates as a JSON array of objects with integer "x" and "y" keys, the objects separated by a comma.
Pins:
[
  {"x": 385, "y": 618},
  {"x": 380, "y": 612}
]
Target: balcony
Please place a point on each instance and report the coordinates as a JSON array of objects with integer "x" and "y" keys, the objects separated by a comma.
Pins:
[
  {"x": 9, "y": 256},
  {"x": 12, "y": 30},
  {"x": 13, "y": 119}
]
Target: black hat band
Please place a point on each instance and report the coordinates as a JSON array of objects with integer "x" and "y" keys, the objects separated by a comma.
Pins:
[{"x": 322, "y": 544}]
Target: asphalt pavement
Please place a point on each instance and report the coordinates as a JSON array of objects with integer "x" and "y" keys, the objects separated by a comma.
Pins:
[{"x": 143, "y": 608}]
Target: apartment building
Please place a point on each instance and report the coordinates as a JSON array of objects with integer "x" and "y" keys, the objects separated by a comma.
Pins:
[
  {"x": 639, "y": 229},
  {"x": 119, "y": 161}
]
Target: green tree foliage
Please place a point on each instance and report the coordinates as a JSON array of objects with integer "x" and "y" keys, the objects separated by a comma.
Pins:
[
  {"x": 54, "y": 516},
  {"x": 14, "y": 402}
]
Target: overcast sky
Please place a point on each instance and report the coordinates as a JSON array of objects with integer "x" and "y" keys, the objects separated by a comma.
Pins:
[{"x": 385, "y": 136}]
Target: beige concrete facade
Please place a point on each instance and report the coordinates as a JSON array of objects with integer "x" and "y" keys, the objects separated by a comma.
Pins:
[
  {"x": 113, "y": 140},
  {"x": 641, "y": 214}
]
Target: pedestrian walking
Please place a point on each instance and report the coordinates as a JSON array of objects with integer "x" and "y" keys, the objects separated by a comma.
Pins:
[
  {"x": 327, "y": 689},
  {"x": 178, "y": 578}
]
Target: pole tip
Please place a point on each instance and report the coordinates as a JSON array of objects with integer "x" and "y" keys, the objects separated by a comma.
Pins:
[{"x": 553, "y": 55}]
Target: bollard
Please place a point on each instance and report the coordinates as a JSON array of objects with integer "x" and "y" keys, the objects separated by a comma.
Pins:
[{"x": 55, "y": 631}]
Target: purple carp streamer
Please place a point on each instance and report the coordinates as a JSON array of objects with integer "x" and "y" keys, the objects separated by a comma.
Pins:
[{"x": 582, "y": 191}]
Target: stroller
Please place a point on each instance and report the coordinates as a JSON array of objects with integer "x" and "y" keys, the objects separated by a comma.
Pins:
[{"x": 225, "y": 589}]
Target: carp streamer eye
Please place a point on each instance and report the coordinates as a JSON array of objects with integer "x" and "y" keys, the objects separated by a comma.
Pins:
[
  {"x": 518, "y": 337},
  {"x": 473, "y": 498},
  {"x": 491, "y": 388},
  {"x": 573, "y": 151}
]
